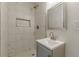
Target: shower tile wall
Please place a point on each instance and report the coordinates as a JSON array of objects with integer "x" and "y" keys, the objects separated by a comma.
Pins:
[
  {"x": 20, "y": 39},
  {"x": 40, "y": 18},
  {"x": 3, "y": 29},
  {"x": 0, "y": 29},
  {"x": 15, "y": 40}
]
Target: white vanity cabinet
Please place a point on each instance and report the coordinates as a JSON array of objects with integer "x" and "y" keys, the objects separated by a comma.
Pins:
[{"x": 45, "y": 51}]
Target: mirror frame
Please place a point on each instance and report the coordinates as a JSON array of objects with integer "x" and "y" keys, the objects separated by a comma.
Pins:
[{"x": 64, "y": 16}]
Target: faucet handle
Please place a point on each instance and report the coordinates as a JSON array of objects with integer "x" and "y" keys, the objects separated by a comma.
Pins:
[{"x": 51, "y": 33}]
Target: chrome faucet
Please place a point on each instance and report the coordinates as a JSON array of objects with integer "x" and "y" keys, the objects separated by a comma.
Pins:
[{"x": 52, "y": 36}]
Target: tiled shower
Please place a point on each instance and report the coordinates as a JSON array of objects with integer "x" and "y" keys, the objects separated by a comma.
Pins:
[{"x": 19, "y": 21}]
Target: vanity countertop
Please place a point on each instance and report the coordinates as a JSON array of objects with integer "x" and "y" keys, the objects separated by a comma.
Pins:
[{"x": 49, "y": 43}]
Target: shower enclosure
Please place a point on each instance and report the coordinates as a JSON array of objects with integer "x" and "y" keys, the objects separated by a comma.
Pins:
[{"x": 19, "y": 21}]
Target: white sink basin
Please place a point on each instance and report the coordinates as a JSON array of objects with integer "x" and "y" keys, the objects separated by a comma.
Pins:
[{"x": 49, "y": 43}]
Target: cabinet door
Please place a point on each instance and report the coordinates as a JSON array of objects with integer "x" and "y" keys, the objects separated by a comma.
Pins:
[
  {"x": 43, "y": 51},
  {"x": 55, "y": 17}
]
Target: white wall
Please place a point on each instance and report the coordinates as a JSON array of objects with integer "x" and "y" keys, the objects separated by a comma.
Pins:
[
  {"x": 70, "y": 36},
  {"x": 50, "y": 4}
]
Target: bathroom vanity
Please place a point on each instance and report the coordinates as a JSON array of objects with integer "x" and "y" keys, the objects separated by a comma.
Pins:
[{"x": 50, "y": 48}]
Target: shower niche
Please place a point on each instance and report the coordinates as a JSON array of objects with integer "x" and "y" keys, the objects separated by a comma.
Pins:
[
  {"x": 57, "y": 17},
  {"x": 21, "y": 22}
]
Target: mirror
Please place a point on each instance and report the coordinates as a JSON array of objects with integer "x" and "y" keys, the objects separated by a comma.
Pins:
[{"x": 56, "y": 17}]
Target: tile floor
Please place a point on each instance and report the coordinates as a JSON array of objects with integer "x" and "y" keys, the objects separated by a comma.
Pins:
[{"x": 31, "y": 53}]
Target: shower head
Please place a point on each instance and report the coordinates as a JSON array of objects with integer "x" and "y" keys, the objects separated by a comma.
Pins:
[{"x": 36, "y": 6}]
